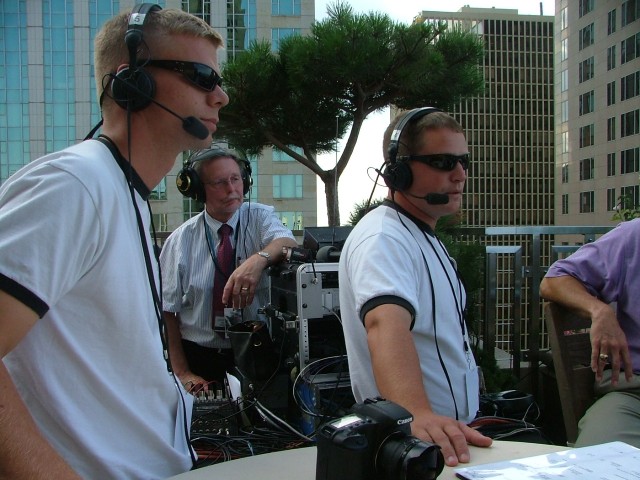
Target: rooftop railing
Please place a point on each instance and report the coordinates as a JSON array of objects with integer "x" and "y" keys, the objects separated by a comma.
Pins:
[{"x": 516, "y": 260}]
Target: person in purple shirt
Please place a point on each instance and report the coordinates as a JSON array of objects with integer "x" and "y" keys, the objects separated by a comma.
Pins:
[{"x": 589, "y": 281}]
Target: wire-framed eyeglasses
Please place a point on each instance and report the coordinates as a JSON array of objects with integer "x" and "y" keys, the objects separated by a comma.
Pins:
[{"x": 233, "y": 180}]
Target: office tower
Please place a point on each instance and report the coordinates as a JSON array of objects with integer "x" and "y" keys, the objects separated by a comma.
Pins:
[
  {"x": 597, "y": 97},
  {"x": 48, "y": 100}
]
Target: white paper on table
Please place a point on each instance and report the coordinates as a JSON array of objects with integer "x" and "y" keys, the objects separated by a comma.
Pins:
[{"x": 608, "y": 461}]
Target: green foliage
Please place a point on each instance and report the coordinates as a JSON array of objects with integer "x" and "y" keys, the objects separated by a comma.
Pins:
[
  {"x": 495, "y": 378},
  {"x": 470, "y": 261},
  {"x": 360, "y": 210},
  {"x": 318, "y": 88},
  {"x": 626, "y": 210}
]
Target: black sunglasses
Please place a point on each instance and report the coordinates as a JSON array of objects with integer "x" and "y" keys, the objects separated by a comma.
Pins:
[
  {"x": 441, "y": 161},
  {"x": 199, "y": 74}
]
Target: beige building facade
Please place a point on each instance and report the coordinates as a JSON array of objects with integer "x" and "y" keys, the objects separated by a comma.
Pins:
[{"x": 597, "y": 100}]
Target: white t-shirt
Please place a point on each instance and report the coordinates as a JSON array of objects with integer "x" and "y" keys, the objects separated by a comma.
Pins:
[
  {"x": 389, "y": 258},
  {"x": 91, "y": 371}
]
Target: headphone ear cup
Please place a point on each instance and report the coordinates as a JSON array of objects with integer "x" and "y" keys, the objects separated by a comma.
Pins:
[
  {"x": 133, "y": 90},
  {"x": 398, "y": 176},
  {"x": 245, "y": 173},
  {"x": 189, "y": 184},
  {"x": 392, "y": 152}
]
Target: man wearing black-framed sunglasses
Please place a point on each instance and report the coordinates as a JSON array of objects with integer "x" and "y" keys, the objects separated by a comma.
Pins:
[
  {"x": 81, "y": 322},
  {"x": 402, "y": 300}
]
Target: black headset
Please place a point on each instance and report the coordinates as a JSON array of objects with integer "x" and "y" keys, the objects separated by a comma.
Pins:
[
  {"x": 397, "y": 174},
  {"x": 133, "y": 88},
  {"x": 189, "y": 183}
]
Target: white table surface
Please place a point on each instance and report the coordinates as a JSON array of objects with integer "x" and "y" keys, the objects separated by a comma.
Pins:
[{"x": 300, "y": 464}]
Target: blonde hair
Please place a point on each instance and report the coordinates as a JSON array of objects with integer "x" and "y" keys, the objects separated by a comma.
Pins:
[
  {"x": 111, "y": 50},
  {"x": 411, "y": 140}
]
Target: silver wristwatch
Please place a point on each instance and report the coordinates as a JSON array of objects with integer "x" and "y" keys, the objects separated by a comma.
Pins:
[{"x": 266, "y": 255}]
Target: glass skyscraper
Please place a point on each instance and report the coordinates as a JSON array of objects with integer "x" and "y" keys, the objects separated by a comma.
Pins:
[
  {"x": 48, "y": 99},
  {"x": 46, "y": 77}
]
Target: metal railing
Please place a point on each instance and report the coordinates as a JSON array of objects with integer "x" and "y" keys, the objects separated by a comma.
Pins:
[{"x": 516, "y": 260}]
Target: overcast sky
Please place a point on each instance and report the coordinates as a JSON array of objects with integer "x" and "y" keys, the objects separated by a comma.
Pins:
[{"x": 368, "y": 151}]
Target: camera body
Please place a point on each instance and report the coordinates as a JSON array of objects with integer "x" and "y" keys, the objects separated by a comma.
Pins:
[{"x": 374, "y": 442}]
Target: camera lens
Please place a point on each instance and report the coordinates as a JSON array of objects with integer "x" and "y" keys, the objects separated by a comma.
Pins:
[{"x": 404, "y": 457}]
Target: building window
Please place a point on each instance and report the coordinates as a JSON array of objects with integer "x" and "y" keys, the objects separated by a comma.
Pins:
[
  {"x": 564, "y": 142},
  {"x": 629, "y": 48},
  {"x": 586, "y": 169},
  {"x": 630, "y": 86},
  {"x": 160, "y": 221},
  {"x": 611, "y": 93},
  {"x": 611, "y": 164},
  {"x": 280, "y": 156},
  {"x": 630, "y": 12},
  {"x": 564, "y": 49},
  {"x": 565, "y": 173},
  {"x": 586, "y": 101},
  {"x": 630, "y": 123},
  {"x": 585, "y": 70},
  {"x": 586, "y": 202},
  {"x": 584, "y": 7},
  {"x": 611, "y": 22},
  {"x": 200, "y": 9},
  {"x": 565, "y": 203},
  {"x": 586, "y": 136},
  {"x": 586, "y": 37},
  {"x": 293, "y": 220},
  {"x": 287, "y": 186},
  {"x": 564, "y": 111},
  {"x": 630, "y": 160},
  {"x": 611, "y": 129},
  {"x": 630, "y": 196},
  {"x": 564, "y": 80},
  {"x": 611, "y": 57},
  {"x": 160, "y": 192},
  {"x": 611, "y": 199},
  {"x": 278, "y": 34},
  {"x": 563, "y": 19},
  {"x": 285, "y": 7}
]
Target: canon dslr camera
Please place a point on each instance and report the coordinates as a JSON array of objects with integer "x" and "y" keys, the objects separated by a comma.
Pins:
[{"x": 375, "y": 443}]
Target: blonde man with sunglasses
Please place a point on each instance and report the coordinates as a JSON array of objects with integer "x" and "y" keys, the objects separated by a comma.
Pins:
[{"x": 85, "y": 387}]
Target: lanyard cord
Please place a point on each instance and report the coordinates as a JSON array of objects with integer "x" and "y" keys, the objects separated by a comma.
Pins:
[{"x": 457, "y": 300}]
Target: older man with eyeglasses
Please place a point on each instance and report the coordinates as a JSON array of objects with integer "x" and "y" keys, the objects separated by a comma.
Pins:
[{"x": 207, "y": 287}]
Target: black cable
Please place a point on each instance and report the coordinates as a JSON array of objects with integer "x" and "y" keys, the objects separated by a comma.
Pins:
[{"x": 375, "y": 184}]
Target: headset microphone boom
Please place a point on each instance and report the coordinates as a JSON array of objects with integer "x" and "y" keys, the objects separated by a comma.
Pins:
[{"x": 190, "y": 124}]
